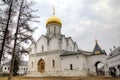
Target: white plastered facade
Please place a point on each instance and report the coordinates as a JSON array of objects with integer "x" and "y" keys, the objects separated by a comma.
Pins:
[{"x": 64, "y": 52}]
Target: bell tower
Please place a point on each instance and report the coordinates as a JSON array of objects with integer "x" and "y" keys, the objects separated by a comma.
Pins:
[{"x": 53, "y": 25}]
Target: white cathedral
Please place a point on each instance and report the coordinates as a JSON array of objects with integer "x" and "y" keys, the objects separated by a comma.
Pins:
[{"x": 54, "y": 54}]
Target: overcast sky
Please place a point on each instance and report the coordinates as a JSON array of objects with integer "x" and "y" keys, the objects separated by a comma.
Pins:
[{"x": 83, "y": 20}]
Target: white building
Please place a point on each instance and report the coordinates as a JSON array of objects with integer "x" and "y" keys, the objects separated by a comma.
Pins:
[
  {"x": 113, "y": 60},
  {"x": 23, "y": 68},
  {"x": 54, "y": 54},
  {"x": 5, "y": 68}
]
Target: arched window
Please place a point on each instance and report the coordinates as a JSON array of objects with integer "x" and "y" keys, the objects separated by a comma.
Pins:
[
  {"x": 5, "y": 68},
  {"x": 54, "y": 29},
  {"x": 53, "y": 61},
  {"x": 42, "y": 48},
  {"x": 31, "y": 64},
  {"x": 70, "y": 48},
  {"x": 71, "y": 67},
  {"x": 41, "y": 65}
]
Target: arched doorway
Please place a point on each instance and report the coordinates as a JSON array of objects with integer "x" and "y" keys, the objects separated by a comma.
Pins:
[
  {"x": 41, "y": 65},
  {"x": 99, "y": 68}
]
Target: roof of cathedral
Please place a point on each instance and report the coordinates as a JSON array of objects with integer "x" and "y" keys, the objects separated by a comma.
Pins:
[
  {"x": 97, "y": 50},
  {"x": 114, "y": 53},
  {"x": 87, "y": 53},
  {"x": 66, "y": 53},
  {"x": 53, "y": 19},
  {"x": 60, "y": 38}
]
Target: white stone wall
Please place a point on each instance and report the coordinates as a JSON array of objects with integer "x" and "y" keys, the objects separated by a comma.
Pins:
[
  {"x": 31, "y": 60},
  {"x": 42, "y": 43},
  {"x": 22, "y": 70},
  {"x": 64, "y": 43},
  {"x": 114, "y": 61},
  {"x": 5, "y": 69},
  {"x": 70, "y": 45},
  {"x": 78, "y": 63},
  {"x": 48, "y": 63},
  {"x": 96, "y": 58},
  {"x": 54, "y": 44},
  {"x": 32, "y": 49},
  {"x": 32, "y": 64}
]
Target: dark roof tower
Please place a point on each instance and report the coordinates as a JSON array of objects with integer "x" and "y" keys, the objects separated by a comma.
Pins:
[{"x": 97, "y": 50}]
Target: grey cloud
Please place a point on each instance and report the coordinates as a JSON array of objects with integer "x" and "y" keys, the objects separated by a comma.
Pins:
[{"x": 84, "y": 20}]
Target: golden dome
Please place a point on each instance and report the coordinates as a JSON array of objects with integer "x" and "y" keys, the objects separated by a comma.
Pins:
[{"x": 53, "y": 19}]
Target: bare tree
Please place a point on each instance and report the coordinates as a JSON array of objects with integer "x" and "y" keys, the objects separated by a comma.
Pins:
[
  {"x": 23, "y": 33},
  {"x": 5, "y": 23}
]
